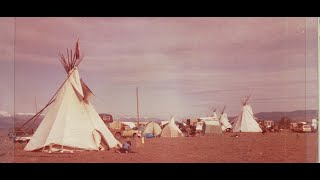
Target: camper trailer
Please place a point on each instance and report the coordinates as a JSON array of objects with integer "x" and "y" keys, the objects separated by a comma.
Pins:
[
  {"x": 107, "y": 118},
  {"x": 268, "y": 124}
]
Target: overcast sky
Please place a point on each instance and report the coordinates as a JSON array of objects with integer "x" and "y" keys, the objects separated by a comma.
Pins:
[{"x": 182, "y": 66}]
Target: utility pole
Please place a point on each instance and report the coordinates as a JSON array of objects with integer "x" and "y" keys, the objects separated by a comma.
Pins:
[
  {"x": 137, "y": 94},
  {"x": 35, "y": 101}
]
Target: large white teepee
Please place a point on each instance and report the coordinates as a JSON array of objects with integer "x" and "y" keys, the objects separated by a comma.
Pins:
[
  {"x": 72, "y": 121},
  {"x": 171, "y": 130},
  {"x": 245, "y": 122}
]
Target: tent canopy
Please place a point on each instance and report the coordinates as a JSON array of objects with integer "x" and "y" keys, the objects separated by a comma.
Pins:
[
  {"x": 171, "y": 130},
  {"x": 153, "y": 128}
]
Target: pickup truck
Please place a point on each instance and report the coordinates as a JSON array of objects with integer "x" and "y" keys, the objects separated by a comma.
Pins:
[
  {"x": 125, "y": 131},
  {"x": 118, "y": 129}
]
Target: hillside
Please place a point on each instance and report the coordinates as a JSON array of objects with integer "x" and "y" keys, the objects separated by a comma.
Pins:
[
  {"x": 299, "y": 115},
  {"x": 6, "y": 120}
]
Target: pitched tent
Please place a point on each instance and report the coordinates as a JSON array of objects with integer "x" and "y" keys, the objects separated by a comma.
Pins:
[
  {"x": 224, "y": 121},
  {"x": 71, "y": 121},
  {"x": 245, "y": 122},
  {"x": 211, "y": 125},
  {"x": 225, "y": 124},
  {"x": 171, "y": 130},
  {"x": 153, "y": 128}
]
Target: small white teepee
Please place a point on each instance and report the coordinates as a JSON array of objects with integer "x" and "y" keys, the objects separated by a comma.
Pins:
[
  {"x": 214, "y": 113},
  {"x": 171, "y": 130},
  {"x": 225, "y": 124},
  {"x": 245, "y": 122},
  {"x": 71, "y": 121}
]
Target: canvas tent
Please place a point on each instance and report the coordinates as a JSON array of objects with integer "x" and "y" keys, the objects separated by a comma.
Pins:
[
  {"x": 210, "y": 125},
  {"x": 246, "y": 122},
  {"x": 224, "y": 121},
  {"x": 153, "y": 128},
  {"x": 171, "y": 130},
  {"x": 71, "y": 120},
  {"x": 225, "y": 124}
]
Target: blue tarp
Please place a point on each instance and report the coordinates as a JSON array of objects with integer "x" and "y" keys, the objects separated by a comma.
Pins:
[{"x": 149, "y": 135}]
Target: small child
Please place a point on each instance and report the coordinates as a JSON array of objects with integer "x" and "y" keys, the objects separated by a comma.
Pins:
[{"x": 126, "y": 147}]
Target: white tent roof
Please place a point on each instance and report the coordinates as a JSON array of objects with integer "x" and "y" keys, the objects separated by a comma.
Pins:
[
  {"x": 212, "y": 118},
  {"x": 72, "y": 121}
]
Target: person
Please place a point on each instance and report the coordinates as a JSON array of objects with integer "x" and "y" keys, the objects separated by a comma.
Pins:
[
  {"x": 264, "y": 130},
  {"x": 126, "y": 147}
]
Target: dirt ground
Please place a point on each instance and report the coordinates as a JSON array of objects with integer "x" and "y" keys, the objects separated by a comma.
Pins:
[{"x": 248, "y": 147}]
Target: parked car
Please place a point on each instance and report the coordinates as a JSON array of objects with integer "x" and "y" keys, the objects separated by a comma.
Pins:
[
  {"x": 306, "y": 128},
  {"x": 302, "y": 128}
]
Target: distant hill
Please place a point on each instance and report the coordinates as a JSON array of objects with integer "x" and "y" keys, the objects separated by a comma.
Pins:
[
  {"x": 6, "y": 120},
  {"x": 140, "y": 119},
  {"x": 299, "y": 115}
]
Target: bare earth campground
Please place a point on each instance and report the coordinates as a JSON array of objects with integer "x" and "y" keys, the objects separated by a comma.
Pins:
[{"x": 248, "y": 147}]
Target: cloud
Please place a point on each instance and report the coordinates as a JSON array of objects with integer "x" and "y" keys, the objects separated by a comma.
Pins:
[{"x": 189, "y": 61}]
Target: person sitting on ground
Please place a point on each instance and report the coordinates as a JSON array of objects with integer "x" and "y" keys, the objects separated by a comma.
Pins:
[{"x": 126, "y": 147}]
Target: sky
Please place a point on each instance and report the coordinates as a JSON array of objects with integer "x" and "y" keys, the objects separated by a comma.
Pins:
[{"x": 182, "y": 66}]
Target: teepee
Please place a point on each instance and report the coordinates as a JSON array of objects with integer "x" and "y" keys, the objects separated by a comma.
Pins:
[
  {"x": 171, "y": 130},
  {"x": 214, "y": 112},
  {"x": 245, "y": 122},
  {"x": 225, "y": 124},
  {"x": 71, "y": 121}
]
